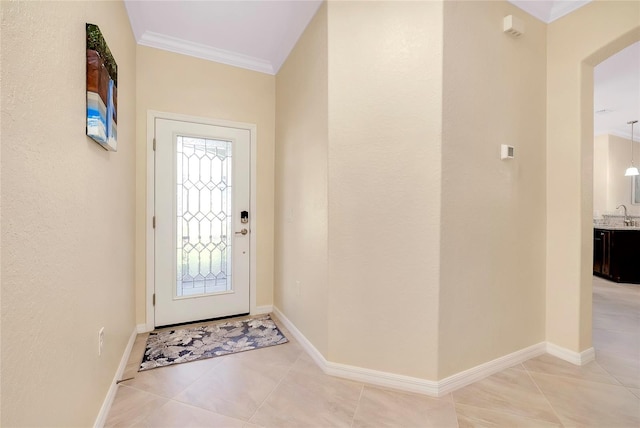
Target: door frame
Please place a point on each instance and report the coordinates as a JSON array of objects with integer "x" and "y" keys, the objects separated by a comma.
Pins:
[{"x": 152, "y": 115}]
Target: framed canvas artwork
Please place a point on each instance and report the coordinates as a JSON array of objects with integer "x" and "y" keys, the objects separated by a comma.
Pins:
[{"x": 102, "y": 91}]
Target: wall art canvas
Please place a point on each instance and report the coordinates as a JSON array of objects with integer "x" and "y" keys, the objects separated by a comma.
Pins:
[{"x": 102, "y": 91}]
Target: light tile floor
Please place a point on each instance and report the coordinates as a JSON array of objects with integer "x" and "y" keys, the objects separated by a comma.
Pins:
[{"x": 282, "y": 387}]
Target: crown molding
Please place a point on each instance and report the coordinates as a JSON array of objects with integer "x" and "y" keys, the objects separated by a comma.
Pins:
[{"x": 198, "y": 50}]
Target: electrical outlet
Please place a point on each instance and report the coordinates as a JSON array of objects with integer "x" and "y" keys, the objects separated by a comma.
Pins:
[
  {"x": 100, "y": 341},
  {"x": 298, "y": 288}
]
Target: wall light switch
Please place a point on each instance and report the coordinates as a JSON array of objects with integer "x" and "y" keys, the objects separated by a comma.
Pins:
[{"x": 506, "y": 152}]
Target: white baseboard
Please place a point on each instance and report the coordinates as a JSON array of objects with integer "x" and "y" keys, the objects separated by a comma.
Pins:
[
  {"x": 106, "y": 405},
  {"x": 374, "y": 377},
  {"x": 143, "y": 328},
  {"x": 304, "y": 342},
  {"x": 409, "y": 383},
  {"x": 474, "y": 374},
  {"x": 384, "y": 379},
  {"x": 577, "y": 358},
  {"x": 265, "y": 309}
]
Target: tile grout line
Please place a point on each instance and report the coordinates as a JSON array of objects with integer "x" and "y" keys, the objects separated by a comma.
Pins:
[
  {"x": 577, "y": 379},
  {"x": 166, "y": 401},
  {"x": 355, "y": 412},
  {"x": 283, "y": 377},
  {"x": 610, "y": 315},
  {"x": 453, "y": 400},
  {"x": 543, "y": 394},
  {"x": 274, "y": 388},
  {"x": 144, "y": 390},
  {"x": 455, "y": 411},
  {"x": 503, "y": 412},
  {"x": 506, "y": 412},
  {"x": 196, "y": 380},
  {"x": 628, "y": 388},
  {"x": 193, "y": 406},
  {"x": 181, "y": 390},
  {"x": 607, "y": 371}
]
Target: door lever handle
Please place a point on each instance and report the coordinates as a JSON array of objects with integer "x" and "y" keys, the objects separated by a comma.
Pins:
[{"x": 242, "y": 232}]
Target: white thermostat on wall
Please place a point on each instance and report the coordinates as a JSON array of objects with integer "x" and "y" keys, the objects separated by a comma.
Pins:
[{"x": 506, "y": 152}]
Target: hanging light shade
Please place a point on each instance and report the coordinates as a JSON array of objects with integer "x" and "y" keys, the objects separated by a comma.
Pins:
[{"x": 632, "y": 170}]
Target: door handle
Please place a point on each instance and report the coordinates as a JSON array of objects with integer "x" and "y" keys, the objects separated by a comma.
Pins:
[{"x": 242, "y": 232}]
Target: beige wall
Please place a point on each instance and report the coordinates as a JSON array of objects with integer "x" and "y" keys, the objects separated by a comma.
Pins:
[
  {"x": 67, "y": 215},
  {"x": 493, "y": 210},
  {"x": 600, "y": 175},
  {"x": 611, "y": 158},
  {"x": 174, "y": 83},
  {"x": 357, "y": 184},
  {"x": 515, "y": 269},
  {"x": 385, "y": 101},
  {"x": 378, "y": 155},
  {"x": 619, "y": 186},
  {"x": 575, "y": 44},
  {"x": 301, "y": 288},
  {"x": 2, "y": 14}
]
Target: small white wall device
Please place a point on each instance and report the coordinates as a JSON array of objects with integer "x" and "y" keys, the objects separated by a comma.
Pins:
[
  {"x": 513, "y": 26},
  {"x": 506, "y": 152}
]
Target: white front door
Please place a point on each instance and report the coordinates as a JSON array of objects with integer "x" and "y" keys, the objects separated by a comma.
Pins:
[{"x": 202, "y": 194}]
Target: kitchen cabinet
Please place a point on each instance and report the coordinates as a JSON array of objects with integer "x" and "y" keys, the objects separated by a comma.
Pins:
[
  {"x": 601, "y": 253},
  {"x": 616, "y": 254}
]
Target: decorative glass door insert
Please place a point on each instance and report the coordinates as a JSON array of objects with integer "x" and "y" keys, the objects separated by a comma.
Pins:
[
  {"x": 203, "y": 215},
  {"x": 202, "y": 233}
]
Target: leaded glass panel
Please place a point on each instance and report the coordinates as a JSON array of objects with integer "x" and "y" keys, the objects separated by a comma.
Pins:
[{"x": 203, "y": 209}]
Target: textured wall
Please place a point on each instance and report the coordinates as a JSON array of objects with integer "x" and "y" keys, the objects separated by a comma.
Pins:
[
  {"x": 611, "y": 158},
  {"x": 619, "y": 186},
  {"x": 385, "y": 115},
  {"x": 575, "y": 44},
  {"x": 301, "y": 184},
  {"x": 493, "y": 211},
  {"x": 174, "y": 83},
  {"x": 67, "y": 215},
  {"x": 600, "y": 174}
]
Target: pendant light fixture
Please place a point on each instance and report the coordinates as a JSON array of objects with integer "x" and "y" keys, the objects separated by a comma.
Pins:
[{"x": 632, "y": 170}]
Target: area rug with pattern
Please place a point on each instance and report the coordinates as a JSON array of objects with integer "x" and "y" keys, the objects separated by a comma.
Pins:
[{"x": 181, "y": 345}]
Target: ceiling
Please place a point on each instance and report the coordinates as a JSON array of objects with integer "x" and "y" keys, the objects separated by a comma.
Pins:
[
  {"x": 616, "y": 93},
  {"x": 259, "y": 35},
  {"x": 549, "y": 11}
]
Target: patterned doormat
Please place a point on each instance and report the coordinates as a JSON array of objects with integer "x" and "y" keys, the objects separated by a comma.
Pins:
[{"x": 207, "y": 341}]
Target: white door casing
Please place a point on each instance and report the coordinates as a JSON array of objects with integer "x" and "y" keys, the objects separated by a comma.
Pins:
[{"x": 202, "y": 248}]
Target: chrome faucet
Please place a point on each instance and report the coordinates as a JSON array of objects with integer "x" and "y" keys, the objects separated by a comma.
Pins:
[{"x": 627, "y": 221}]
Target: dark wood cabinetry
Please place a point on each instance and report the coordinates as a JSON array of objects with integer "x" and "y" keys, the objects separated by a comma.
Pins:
[
  {"x": 616, "y": 255},
  {"x": 601, "y": 255}
]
